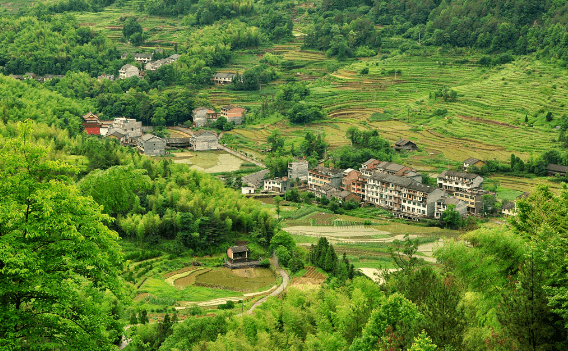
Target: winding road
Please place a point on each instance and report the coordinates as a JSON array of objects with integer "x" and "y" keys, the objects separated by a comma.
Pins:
[{"x": 285, "y": 282}]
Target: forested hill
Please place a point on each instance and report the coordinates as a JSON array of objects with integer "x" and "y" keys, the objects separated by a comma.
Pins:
[{"x": 517, "y": 26}]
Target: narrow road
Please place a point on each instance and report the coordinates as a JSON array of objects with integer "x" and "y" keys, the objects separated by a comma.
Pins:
[
  {"x": 285, "y": 281},
  {"x": 241, "y": 156}
]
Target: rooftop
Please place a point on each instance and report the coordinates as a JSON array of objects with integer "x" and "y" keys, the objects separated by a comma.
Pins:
[
  {"x": 403, "y": 182},
  {"x": 456, "y": 174}
]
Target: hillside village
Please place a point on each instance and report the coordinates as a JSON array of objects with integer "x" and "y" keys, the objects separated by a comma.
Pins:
[{"x": 284, "y": 175}]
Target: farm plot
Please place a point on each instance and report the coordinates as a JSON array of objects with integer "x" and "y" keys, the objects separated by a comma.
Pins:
[
  {"x": 244, "y": 280},
  {"x": 339, "y": 233},
  {"x": 312, "y": 279}
]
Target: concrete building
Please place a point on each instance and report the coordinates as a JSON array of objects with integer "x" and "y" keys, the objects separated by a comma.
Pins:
[
  {"x": 233, "y": 114},
  {"x": 320, "y": 176},
  {"x": 298, "y": 170},
  {"x": 349, "y": 175},
  {"x": 129, "y": 127},
  {"x": 202, "y": 115},
  {"x": 223, "y": 78},
  {"x": 203, "y": 140},
  {"x": 128, "y": 71},
  {"x": 278, "y": 185},
  {"x": 405, "y": 197},
  {"x": 452, "y": 181}
]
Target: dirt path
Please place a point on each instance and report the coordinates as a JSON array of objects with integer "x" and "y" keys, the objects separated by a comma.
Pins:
[
  {"x": 285, "y": 282},
  {"x": 241, "y": 156}
]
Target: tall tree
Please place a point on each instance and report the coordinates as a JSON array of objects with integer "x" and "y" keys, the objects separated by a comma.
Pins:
[{"x": 57, "y": 258}]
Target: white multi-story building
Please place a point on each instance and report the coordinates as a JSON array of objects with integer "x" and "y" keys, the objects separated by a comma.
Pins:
[
  {"x": 279, "y": 185},
  {"x": 405, "y": 197},
  {"x": 452, "y": 181}
]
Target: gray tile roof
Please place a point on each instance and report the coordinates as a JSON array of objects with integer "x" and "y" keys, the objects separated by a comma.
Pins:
[
  {"x": 471, "y": 161},
  {"x": 239, "y": 248},
  {"x": 403, "y": 182}
]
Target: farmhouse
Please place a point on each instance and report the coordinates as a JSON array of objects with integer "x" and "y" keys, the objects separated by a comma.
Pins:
[
  {"x": 556, "y": 170},
  {"x": 255, "y": 180},
  {"x": 203, "y": 140},
  {"x": 298, "y": 170},
  {"x": 405, "y": 145},
  {"x": 245, "y": 190},
  {"x": 151, "y": 145},
  {"x": 128, "y": 71},
  {"x": 509, "y": 209},
  {"x": 129, "y": 127},
  {"x": 279, "y": 185},
  {"x": 405, "y": 197},
  {"x": 233, "y": 114},
  {"x": 320, "y": 176},
  {"x": 472, "y": 162},
  {"x": 142, "y": 58},
  {"x": 153, "y": 66},
  {"x": 238, "y": 253},
  {"x": 223, "y": 78},
  {"x": 453, "y": 181}
]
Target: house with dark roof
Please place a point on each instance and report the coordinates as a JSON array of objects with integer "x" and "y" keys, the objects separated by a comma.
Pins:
[
  {"x": 405, "y": 145},
  {"x": 202, "y": 115},
  {"x": 151, "y": 145},
  {"x": 238, "y": 253},
  {"x": 556, "y": 170},
  {"x": 452, "y": 181},
  {"x": 203, "y": 140},
  {"x": 255, "y": 180}
]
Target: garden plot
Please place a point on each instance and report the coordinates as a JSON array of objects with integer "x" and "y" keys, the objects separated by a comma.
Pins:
[
  {"x": 210, "y": 161},
  {"x": 226, "y": 163}
]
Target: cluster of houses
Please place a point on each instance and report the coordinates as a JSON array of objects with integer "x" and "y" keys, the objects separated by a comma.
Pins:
[
  {"x": 31, "y": 75},
  {"x": 395, "y": 187},
  {"x": 129, "y": 70},
  {"x": 205, "y": 116},
  {"x": 130, "y": 132}
]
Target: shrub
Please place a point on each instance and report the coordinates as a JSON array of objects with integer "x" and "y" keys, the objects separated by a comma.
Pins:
[{"x": 365, "y": 70}]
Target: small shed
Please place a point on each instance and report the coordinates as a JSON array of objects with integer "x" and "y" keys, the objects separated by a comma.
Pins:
[
  {"x": 238, "y": 253},
  {"x": 405, "y": 145},
  {"x": 247, "y": 190},
  {"x": 473, "y": 162},
  {"x": 556, "y": 170}
]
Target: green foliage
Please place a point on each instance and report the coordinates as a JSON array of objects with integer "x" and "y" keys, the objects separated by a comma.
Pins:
[
  {"x": 59, "y": 262},
  {"x": 364, "y": 146},
  {"x": 27, "y": 100},
  {"x": 116, "y": 189},
  {"x": 323, "y": 255},
  {"x": 451, "y": 218},
  {"x": 304, "y": 113}
]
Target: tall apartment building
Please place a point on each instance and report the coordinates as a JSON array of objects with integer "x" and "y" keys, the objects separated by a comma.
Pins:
[{"x": 405, "y": 197}]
